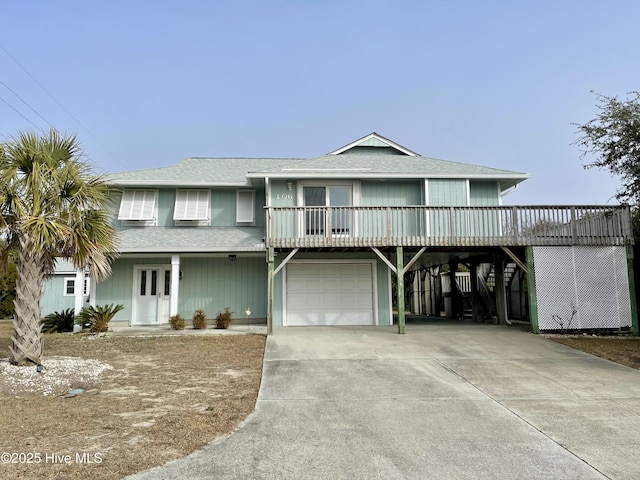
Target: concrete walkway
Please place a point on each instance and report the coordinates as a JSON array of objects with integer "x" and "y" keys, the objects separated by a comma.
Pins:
[{"x": 446, "y": 401}]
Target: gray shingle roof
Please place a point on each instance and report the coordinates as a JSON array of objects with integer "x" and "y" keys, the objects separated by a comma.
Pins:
[
  {"x": 350, "y": 164},
  {"x": 238, "y": 171},
  {"x": 199, "y": 171},
  {"x": 192, "y": 239}
]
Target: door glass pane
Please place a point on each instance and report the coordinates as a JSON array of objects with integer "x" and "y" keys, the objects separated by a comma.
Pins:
[
  {"x": 143, "y": 282},
  {"x": 340, "y": 218},
  {"x": 314, "y": 217},
  {"x": 154, "y": 282},
  {"x": 167, "y": 282}
]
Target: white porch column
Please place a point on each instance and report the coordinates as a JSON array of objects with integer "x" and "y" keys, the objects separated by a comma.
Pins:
[
  {"x": 92, "y": 291},
  {"x": 78, "y": 292},
  {"x": 175, "y": 284}
]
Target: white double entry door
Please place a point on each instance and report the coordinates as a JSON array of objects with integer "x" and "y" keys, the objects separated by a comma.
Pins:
[{"x": 151, "y": 294}]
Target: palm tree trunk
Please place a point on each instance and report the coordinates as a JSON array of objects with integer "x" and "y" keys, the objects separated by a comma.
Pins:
[{"x": 26, "y": 342}]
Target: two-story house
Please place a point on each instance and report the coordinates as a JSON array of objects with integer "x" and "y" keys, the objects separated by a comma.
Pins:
[{"x": 334, "y": 240}]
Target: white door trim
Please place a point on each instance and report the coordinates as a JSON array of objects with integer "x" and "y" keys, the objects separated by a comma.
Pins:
[{"x": 134, "y": 296}]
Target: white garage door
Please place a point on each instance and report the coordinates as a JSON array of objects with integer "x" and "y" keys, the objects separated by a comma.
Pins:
[{"x": 329, "y": 294}]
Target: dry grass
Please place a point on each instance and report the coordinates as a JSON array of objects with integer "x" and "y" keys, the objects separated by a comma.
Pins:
[
  {"x": 166, "y": 397},
  {"x": 622, "y": 350}
]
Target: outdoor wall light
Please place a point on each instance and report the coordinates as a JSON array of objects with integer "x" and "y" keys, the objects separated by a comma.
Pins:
[
  {"x": 248, "y": 312},
  {"x": 232, "y": 258},
  {"x": 289, "y": 186}
]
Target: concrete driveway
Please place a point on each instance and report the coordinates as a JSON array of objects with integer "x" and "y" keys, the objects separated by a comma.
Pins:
[{"x": 446, "y": 400}]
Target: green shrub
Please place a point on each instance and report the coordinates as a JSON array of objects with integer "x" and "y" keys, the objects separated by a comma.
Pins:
[
  {"x": 199, "y": 320},
  {"x": 97, "y": 318},
  {"x": 224, "y": 318},
  {"x": 177, "y": 322},
  {"x": 58, "y": 322}
]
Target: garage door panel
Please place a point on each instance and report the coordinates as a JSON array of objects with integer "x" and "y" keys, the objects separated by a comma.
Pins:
[{"x": 329, "y": 294}]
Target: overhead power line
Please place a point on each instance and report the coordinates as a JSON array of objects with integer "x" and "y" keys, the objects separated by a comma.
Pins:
[
  {"x": 20, "y": 113},
  {"x": 60, "y": 105},
  {"x": 27, "y": 104}
]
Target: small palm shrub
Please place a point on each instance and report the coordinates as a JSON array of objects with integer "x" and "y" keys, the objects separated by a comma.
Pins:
[
  {"x": 97, "y": 318},
  {"x": 177, "y": 322},
  {"x": 199, "y": 320},
  {"x": 58, "y": 322},
  {"x": 224, "y": 318}
]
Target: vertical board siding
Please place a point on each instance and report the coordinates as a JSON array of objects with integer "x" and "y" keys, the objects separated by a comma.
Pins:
[
  {"x": 260, "y": 200},
  {"x": 166, "y": 202},
  {"x": 53, "y": 298},
  {"x": 223, "y": 207},
  {"x": 391, "y": 193},
  {"x": 483, "y": 194},
  {"x": 447, "y": 192},
  {"x": 280, "y": 194},
  {"x": 211, "y": 284}
]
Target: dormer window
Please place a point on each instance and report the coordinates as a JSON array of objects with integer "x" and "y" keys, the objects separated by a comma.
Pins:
[
  {"x": 139, "y": 206},
  {"x": 192, "y": 207}
]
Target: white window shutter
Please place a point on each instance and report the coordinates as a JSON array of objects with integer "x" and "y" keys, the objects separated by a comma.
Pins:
[
  {"x": 138, "y": 205},
  {"x": 191, "y": 205},
  {"x": 245, "y": 207}
]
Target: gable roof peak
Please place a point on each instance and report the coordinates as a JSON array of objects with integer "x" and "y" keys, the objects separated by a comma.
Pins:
[{"x": 374, "y": 140}]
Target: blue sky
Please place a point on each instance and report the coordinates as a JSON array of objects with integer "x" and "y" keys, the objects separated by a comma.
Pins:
[{"x": 495, "y": 83}]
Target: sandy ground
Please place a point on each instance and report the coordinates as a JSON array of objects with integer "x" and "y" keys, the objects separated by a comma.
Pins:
[{"x": 145, "y": 401}]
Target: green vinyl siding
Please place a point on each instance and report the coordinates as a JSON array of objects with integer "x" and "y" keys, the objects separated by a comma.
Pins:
[
  {"x": 223, "y": 207},
  {"x": 166, "y": 203},
  {"x": 280, "y": 194},
  {"x": 483, "y": 222},
  {"x": 447, "y": 192},
  {"x": 483, "y": 194},
  {"x": 53, "y": 298},
  {"x": 390, "y": 193},
  {"x": 259, "y": 207},
  {"x": 211, "y": 284},
  {"x": 363, "y": 149}
]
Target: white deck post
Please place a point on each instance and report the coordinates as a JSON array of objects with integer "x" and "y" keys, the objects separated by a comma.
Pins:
[
  {"x": 78, "y": 292},
  {"x": 175, "y": 285}
]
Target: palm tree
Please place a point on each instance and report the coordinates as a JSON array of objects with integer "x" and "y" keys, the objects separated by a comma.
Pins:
[{"x": 51, "y": 205}]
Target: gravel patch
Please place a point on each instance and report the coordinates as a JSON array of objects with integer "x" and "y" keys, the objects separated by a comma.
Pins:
[{"x": 59, "y": 374}]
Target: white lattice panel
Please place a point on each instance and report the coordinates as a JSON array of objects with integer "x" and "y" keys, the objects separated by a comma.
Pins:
[{"x": 593, "y": 281}]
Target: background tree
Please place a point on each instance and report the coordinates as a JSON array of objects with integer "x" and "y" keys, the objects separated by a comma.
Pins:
[
  {"x": 613, "y": 137},
  {"x": 51, "y": 205}
]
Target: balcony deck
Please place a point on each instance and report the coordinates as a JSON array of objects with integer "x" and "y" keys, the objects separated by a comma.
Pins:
[{"x": 421, "y": 226}]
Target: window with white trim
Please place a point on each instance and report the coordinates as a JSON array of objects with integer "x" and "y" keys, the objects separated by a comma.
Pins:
[
  {"x": 70, "y": 287},
  {"x": 139, "y": 205},
  {"x": 192, "y": 206},
  {"x": 245, "y": 206}
]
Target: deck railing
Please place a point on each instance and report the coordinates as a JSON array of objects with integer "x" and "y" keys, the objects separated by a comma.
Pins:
[{"x": 373, "y": 226}]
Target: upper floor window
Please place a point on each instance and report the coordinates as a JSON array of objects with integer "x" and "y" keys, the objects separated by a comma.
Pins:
[
  {"x": 245, "y": 206},
  {"x": 192, "y": 206},
  {"x": 139, "y": 205}
]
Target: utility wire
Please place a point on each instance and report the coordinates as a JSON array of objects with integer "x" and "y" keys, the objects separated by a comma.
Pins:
[
  {"x": 25, "y": 102},
  {"x": 20, "y": 113},
  {"x": 61, "y": 106}
]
